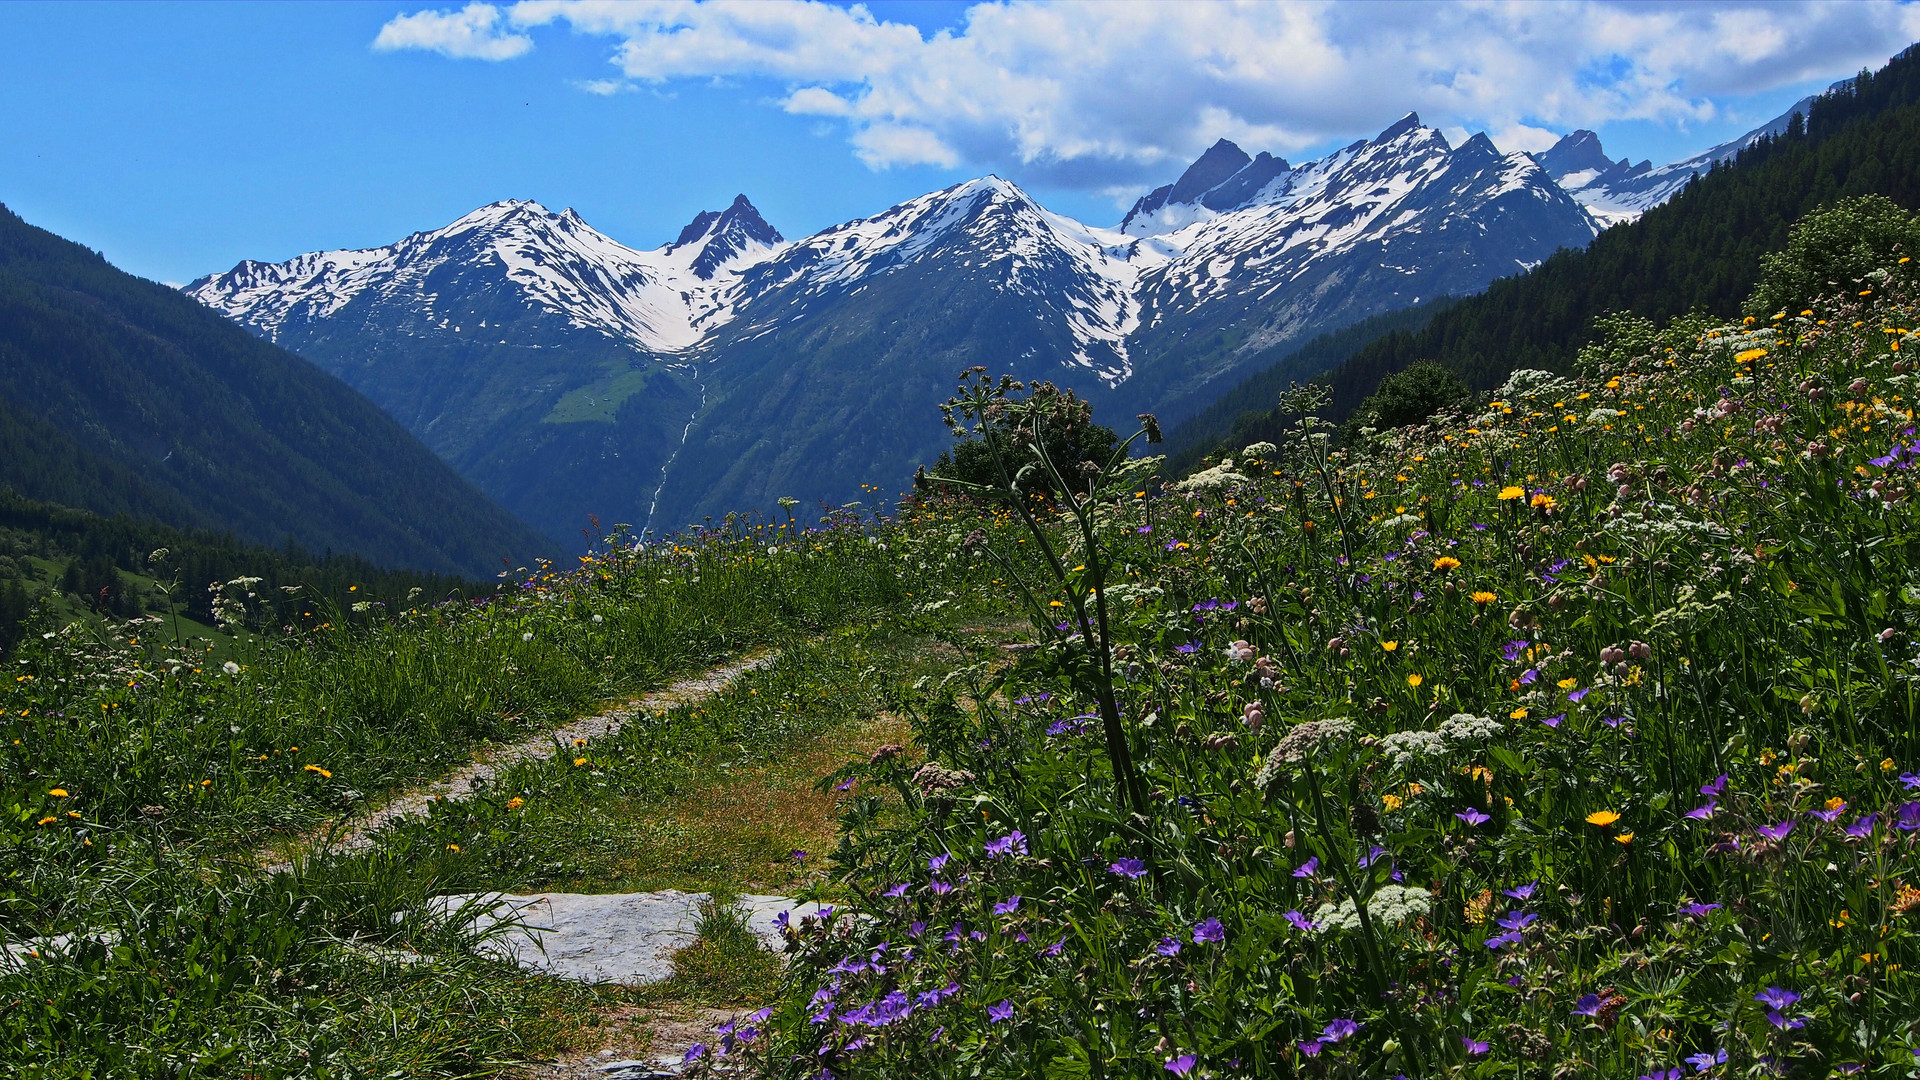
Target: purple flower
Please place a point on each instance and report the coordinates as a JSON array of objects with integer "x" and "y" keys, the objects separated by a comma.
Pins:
[
  {"x": 1829, "y": 816},
  {"x": 1698, "y": 910},
  {"x": 1181, "y": 1065},
  {"x": 1307, "y": 869},
  {"x": 1910, "y": 780},
  {"x": 1008, "y": 906},
  {"x": 1128, "y": 868},
  {"x": 1522, "y": 893},
  {"x": 1501, "y": 941},
  {"x": 934, "y": 864},
  {"x": 1528, "y": 676},
  {"x": 1517, "y": 920},
  {"x": 917, "y": 928},
  {"x": 1588, "y": 1005},
  {"x": 941, "y": 888},
  {"x": 1167, "y": 947},
  {"x": 1702, "y": 813},
  {"x": 1862, "y": 826},
  {"x": 1055, "y": 949},
  {"x": 1373, "y": 855},
  {"x": 1777, "y": 832},
  {"x": 1000, "y": 1012},
  {"x": 1513, "y": 650},
  {"x": 1301, "y": 922},
  {"x": 1613, "y": 721},
  {"x": 1670, "y": 1074},
  {"x": 1713, "y": 788},
  {"x": 1705, "y": 1060},
  {"x": 1339, "y": 1029},
  {"x": 1014, "y": 843},
  {"x": 695, "y": 1052},
  {"x": 1311, "y": 1048},
  {"x": 1189, "y": 647},
  {"x": 1776, "y": 998},
  {"x": 1209, "y": 932},
  {"x": 1909, "y": 817},
  {"x": 797, "y": 855},
  {"x": 1553, "y": 721},
  {"x": 1474, "y": 1046},
  {"x": 780, "y": 921},
  {"x": 1472, "y": 816},
  {"x": 1580, "y": 695},
  {"x": 896, "y": 892},
  {"x": 1779, "y": 1020}
]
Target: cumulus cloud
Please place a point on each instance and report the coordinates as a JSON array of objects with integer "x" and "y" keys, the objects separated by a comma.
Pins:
[
  {"x": 472, "y": 33},
  {"x": 1104, "y": 95}
]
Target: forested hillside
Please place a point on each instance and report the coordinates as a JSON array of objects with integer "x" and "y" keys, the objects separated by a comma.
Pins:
[
  {"x": 121, "y": 396},
  {"x": 1699, "y": 252}
]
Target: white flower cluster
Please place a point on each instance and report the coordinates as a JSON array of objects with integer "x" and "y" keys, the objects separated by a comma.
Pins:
[
  {"x": 1466, "y": 727},
  {"x": 1602, "y": 415},
  {"x": 1218, "y": 478},
  {"x": 1260, "y": 450},
  {"x": 1392, "y": 905},
  {"x": 1404, "y": 746}
]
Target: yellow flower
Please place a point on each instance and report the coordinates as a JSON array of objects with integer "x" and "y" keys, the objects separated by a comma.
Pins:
[
  {"x": 1542, "y": 501},
  {"x": 1568, "y": 684},
  {"x": 1602, "y": 818},
  {"x": 1389, "y": 645},
  {"x": 453, "y": 847},
  {"x": 1517, "y": 714},
  {"x": 48, "y": 820},
  {"x": 1750, "y": 355},
  {"x": 1446, "y": 562},
  {"x": 1414, "y": 680},
  {"x": 579, "y": 761},
  {"x": 318, "y": 769},
  {"x": 1512, "y": 492},
  {"x": 1415, "y": 789},
  {"x": 516, "y": 803},
  {"x": 1886, "y": 765},
  {"x": 1836, "y": 803},
  {"x": 1625, "y": 838},
  {"x": 1482, "y": 596},
  {"x": 58, "y": 793},
  {"x": 1055, "y": 603},
  {"x": 1391, "y": 802}
]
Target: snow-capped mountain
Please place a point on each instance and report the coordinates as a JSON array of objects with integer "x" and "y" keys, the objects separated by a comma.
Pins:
[
  {"x": 567, "y": 373},
  {"x": 1273, "y": 255},
  {"x": 660, "y": 300},
  {"x": 1617, "y": 191}
]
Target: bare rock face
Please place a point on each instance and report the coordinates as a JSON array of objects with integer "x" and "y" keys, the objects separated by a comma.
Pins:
[{"x": 626, "y": 938}]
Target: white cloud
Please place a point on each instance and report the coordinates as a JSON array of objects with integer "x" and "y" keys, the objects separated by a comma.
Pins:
[
  {"x": 1104, "y": 95},
  {"x": 603, "y": 87},
  {"x": 472, "y": 33}
]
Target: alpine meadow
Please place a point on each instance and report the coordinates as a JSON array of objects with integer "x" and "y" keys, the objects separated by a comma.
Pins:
[{"x": 812, "y": 659}]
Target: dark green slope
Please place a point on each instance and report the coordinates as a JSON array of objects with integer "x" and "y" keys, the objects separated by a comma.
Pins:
[
  {"x": 119, "y": 395},
  {"x": 1237, "y": 418},
  {"x": 1699, "y": 251}
]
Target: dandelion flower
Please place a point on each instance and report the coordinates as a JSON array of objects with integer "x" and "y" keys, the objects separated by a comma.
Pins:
[
  {"x": 1625, "y": 838},
  {"x": 1602, "y": 818},
  {"x": 516, "y": 803},
  {"x": 1512, "y": 492},
  {"x": 579, "y": 761},
  {"x": 48, "y": 820},
  {"x": 1446, "y": 562},
  {"x": 58, "y": 793},
  {"x": 318, "y": 769},
  {"x": 1542, "y": 501},
  {"x": 1481, "y": 596},
  {"x": 453, "y": 847}
]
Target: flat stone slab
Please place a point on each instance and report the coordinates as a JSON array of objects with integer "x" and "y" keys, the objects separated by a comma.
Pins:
[{"x": 626, "y": 938}]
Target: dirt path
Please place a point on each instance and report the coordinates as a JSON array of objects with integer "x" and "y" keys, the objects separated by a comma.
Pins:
[{"x": 490, "y": 762}]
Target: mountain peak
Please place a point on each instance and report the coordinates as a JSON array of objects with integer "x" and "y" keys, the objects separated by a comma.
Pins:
[
  {"x": 1400, "y": 127},
  {"x": 1577, "y": 151},
  {"x": 1211, "y": 169},
  {"x": 723, "y": 235}
]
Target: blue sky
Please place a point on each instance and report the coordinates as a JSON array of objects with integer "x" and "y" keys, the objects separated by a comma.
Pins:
[{"x": 182, "y": 138}]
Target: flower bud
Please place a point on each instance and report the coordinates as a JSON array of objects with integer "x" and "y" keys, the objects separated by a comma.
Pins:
[
  {"x": 1612, "y": 654},
  {"x": 1640, "y": 650}
]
